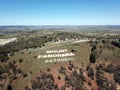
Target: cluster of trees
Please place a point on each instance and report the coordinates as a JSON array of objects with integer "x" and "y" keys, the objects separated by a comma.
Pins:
[
  {"x": 103, "y": 82},
  {"x": 75, "y": 79},
  {"x": 117, "y": 44},
  {"x": 93, "y": 54},
  {"x": 62, "y": 70},
  {"x": 9, "y": 70},
  {"x": 2, "y": 69},
  {"x": 71, "y": 66},
  {"x": 67, "y": 35},
  {"x": 43, "y": 82},
  {"x": 90, "y": 72},
  {"x": 32, "y": 42},
  {"x": 115, "y": 70},
  {"x": 3, "y": 54},
  {"x": 97, "y": 48}
]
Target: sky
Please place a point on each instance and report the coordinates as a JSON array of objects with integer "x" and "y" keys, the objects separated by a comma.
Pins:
[{"x": 59, "y": 12}]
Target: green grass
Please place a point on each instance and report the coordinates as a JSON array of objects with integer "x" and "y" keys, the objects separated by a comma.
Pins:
[{"x": 35, "y": 65}]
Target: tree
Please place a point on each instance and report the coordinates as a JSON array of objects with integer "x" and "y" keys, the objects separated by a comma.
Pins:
[
  {"x": 103, "y": 41},
  {"x": 72, "y": 50},
  {"x": 59, "y": 77},
  {"x": 63, "y": 88},
  {"x": 20, "y": 60},
  {"x": 2, "y": 69},
  {"x": 44, "y": 82},
  {"x": 48, "y": 69},
  {"x": 93, "y": 48},
  {"x": 90, "y": 72},
  {"x": 117, "y": 76},
  {"x": 92, "y": 58},
  {"x": 62, "y": 70},
  {"x": 119, "y": 40},
  {"x": 9, "y": 87}
]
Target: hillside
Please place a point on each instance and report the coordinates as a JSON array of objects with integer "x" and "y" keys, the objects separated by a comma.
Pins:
[{"x": 59, "y": 60}]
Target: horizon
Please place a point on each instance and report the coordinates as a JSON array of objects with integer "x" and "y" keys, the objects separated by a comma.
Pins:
[
  {"x": 60, "y": 25},
  {"x": 62, "y": 12}
]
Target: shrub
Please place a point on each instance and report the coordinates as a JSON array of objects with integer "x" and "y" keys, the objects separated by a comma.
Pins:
[
  {"x": 59, "y": 77},
  {"x": 20, "y": 60},
  {"x": 48, "y": 69}
]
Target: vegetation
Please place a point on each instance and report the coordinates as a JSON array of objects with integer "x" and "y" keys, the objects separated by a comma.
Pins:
[
  {"x": 19, "y": 65},
  {"x": 44, "y": 82}
]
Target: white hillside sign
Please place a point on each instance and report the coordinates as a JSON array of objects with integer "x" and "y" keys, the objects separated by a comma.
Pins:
[{"x": 57, "y": 56}]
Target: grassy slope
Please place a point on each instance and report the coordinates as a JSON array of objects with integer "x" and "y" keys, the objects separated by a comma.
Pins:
[{"x": 35, "y": 65}]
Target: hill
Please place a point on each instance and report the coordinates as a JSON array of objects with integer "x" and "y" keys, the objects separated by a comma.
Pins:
[{"x": 60, "y": 60}]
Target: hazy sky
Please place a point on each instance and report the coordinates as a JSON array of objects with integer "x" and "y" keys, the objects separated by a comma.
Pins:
[{"x": 59, "y": 12}]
